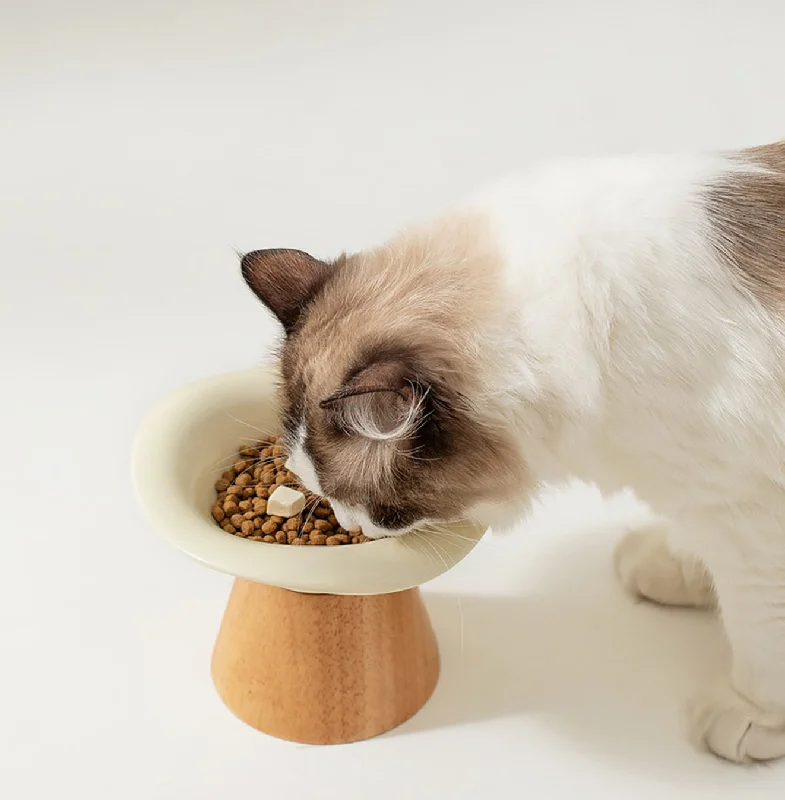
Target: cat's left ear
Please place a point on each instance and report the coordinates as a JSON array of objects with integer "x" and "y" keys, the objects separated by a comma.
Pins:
[
  {"x": 284, "y": 280},
  {"x": 379, "y": 402}
]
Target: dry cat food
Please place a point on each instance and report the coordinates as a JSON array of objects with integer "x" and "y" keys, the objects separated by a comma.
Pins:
[{"x": 245, "y": 488}]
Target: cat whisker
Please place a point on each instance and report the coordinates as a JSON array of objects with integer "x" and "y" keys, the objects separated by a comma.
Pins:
[
  {"x": 304, "y": 522},
  {"x": 265, "y": 433}
]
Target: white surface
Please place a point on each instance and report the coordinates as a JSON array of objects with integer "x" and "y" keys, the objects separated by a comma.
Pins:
[
  {"x": 180, "y": 450},
  {"x": 136, "y": 148}
]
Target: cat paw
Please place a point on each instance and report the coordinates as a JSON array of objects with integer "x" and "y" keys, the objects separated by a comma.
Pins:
[
  {"x": 648, "y": 568},
  {"x": 731, "y": 727}
]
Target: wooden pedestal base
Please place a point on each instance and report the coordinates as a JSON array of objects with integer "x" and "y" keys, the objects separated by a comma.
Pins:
[{"x": 324, "y": 669}]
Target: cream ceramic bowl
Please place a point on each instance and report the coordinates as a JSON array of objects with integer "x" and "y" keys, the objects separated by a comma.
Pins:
[{"x": 185, "y": 443}]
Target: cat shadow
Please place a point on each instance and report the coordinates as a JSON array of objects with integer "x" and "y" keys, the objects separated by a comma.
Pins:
[{"x": 578, "y": 660}]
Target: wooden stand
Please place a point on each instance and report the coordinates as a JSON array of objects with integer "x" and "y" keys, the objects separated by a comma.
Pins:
[{"x": 324, "y": 669}]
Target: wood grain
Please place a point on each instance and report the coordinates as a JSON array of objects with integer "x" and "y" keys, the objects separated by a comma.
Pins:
[{"x": 324, "y": 669}]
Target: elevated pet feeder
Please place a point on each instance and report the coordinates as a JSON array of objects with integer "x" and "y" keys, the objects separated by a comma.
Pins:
[{"x": 319, "y": 645}]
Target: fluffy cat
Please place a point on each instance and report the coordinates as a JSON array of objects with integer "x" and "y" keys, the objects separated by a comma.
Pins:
[{"x": 619, "y": 320}]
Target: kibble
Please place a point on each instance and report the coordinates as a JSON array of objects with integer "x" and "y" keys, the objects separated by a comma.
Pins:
[{"x": 242, "y": 492}]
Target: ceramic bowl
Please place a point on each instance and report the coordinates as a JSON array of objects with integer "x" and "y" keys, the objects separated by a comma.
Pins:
[{"x": 187, "y": 440}]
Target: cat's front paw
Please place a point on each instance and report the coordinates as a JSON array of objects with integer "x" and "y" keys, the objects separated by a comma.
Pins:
[
  {"x": 648, "y": 568},
  {"x": 731, "y": 727}
]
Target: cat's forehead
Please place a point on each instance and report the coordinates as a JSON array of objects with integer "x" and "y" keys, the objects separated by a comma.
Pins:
[{"x": 312, "y": 365}]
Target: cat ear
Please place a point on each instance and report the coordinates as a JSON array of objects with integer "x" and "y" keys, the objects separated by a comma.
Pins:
[
  {"x": 379, "y": 402},
  {"x": 284, "y": 280}
]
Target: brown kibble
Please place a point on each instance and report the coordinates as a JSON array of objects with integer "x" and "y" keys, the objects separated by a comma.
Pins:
[{"x": 240, "y": 507}]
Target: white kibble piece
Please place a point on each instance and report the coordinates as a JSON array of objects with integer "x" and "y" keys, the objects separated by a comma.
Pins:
[{"x": 285, "y": 502}]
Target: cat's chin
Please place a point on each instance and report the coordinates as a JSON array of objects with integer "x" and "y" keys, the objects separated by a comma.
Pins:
[{"x": 372, "y": 532}]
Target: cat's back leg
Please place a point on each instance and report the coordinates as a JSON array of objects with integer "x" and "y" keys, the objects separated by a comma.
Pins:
[{"x": 743, "y": 718}]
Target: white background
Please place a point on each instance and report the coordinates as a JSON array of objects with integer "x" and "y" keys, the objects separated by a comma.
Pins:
[{"x": 139, "y": 143}]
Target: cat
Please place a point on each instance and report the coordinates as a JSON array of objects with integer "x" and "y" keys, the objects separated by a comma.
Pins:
[{"x": 618, "y": 320}]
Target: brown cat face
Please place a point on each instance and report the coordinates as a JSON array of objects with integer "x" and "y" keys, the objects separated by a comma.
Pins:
[{"x": 376, "y": 389}]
